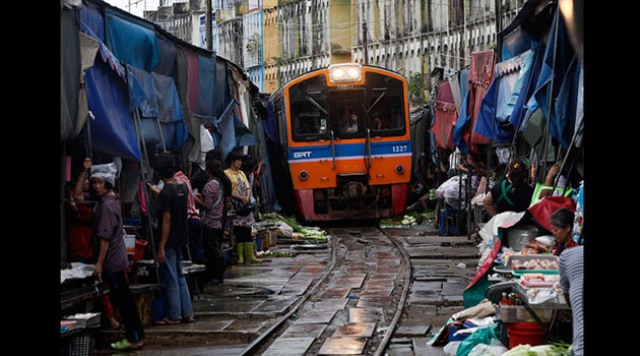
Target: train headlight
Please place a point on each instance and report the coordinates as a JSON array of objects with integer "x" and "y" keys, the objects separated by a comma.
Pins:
[
  {"x": 303, "y": 175},
  {"x": 400, "y": 169},
  {"x": 345, "y": 73}
]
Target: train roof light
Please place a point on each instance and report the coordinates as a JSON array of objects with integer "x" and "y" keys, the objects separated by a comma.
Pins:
[{"x": 345, "y": 73}]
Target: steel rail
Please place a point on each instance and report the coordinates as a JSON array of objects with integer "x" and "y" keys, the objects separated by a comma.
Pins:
[
  {"x": 260, "y": 340},
  {"x": 405, "y": 291}
]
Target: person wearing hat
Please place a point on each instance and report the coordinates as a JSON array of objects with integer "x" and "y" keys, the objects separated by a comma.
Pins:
[
  {"x": 112, "y": 255},
  {"x": 80, "y": 238},
  {"x": 512, "y": 194}
]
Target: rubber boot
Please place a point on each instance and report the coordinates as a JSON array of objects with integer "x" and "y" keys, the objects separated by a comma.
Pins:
[
  {"x": 240, "y": 249},
  {"x": 250, "y": 253}
]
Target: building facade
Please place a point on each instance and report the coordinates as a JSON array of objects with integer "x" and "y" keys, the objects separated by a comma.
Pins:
[
  {"x": 277, "y": 40},
  {"x": 271, "y": 45}
]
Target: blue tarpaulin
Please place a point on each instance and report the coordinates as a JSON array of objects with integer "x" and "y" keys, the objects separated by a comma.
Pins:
[
  {"x": 494, "y": 119},
  {"x": 226, "y": 130},
  {"x": 506, "y": 108},
  {"x": 271, "y": 124},
  {"x": 174, "y": 134},
  {"x": 167, "y": 65},
  {"x": 134, "y": 43},
  {"x": 92, "y": 21},
  {"x": 107, "y": 97},
  {"x": 221, "y": 95},
  {"x": 562, "y": 124},
  {"x": 267, "y": 187},
  {"x": 244, "y": 136},
  {"x": 463, "y": 115},
  {"x": 137, "y": 95},
  {"x": 162, "y": 100},
  {"x": 516, "y": 42},
  {"x": 464, "y": 80},
  {"x": 230, "y": 132},
  {"x": 579, "y": 127},
  {"x": 162, "y": 103},
  {"x": 206, "y": 83},
  {"x": 520, "y": 110},
  {"x": 557, "y": 57}
]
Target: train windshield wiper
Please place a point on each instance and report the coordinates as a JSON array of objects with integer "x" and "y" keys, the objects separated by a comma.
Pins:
[
  {"x": 315, "y": 103},
  {"x": 377, "y": 100}
]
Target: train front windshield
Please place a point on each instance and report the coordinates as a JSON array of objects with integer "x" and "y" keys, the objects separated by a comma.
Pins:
[{"x": 347, "y": 110}]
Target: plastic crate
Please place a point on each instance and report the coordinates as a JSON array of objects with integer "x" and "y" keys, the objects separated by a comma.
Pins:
[
  {"x": 449, "y": 222},
  {"x": 82, "y": 344}
]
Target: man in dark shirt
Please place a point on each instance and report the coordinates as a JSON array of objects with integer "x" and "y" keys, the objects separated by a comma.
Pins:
[
  {"x": 172, "y": 207},
  {"x": 512, "y": 194}
]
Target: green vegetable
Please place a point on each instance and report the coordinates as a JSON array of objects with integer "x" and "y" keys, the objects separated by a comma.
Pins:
[{"x": 559, "y": 348}]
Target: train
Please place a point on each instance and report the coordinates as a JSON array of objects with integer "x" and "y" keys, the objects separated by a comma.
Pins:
[{"x": 345, "y": 142}]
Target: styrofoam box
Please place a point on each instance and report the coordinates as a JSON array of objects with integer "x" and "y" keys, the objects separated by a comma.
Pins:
[
  {"x": 85, "y": 320},
  {"x": 524, "y": 258}
]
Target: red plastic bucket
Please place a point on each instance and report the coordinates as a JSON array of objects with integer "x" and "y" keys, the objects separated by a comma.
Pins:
[
  {"x": 141, "y": 245},
  {"x": 526, "y": 333}
]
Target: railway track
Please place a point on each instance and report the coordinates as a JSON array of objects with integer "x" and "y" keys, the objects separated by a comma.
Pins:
[
  {"x": 361, "y": 296},
  {"x": 354, "y": 308}
]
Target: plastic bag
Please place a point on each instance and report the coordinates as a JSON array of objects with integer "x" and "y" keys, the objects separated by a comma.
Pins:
[
  {"x": 451, "y": 348},
  {"x": 481, "y": 336},
  {"x": 496, "y": 348}
]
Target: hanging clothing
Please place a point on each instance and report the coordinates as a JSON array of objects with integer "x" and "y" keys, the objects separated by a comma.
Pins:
[
  {"x": 445, "y": 118},
  {"x": 480, "y": 77}
]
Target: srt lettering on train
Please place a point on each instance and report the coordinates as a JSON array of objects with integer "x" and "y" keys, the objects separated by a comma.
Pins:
[{"x": 306, "y": 154}]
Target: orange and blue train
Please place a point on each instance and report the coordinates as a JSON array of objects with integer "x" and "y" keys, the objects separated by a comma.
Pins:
[{"x": 345, "y": 142}]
